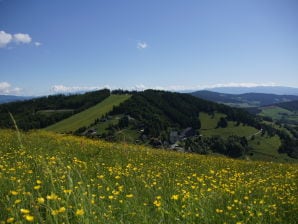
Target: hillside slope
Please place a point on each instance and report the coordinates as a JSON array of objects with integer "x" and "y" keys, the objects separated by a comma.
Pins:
[
  {"x": 292, "y": 106},
  {"x": 87, "y": 117},
  {"x": 62, "y": 179},
  {"x": 44, "y": 111},
  {"x": 174, "y": 120}
]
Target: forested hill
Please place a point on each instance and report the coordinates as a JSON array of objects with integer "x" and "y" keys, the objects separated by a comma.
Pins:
[
  {"x": 158, "y": 110},
  {"x": 291, "y": 106},
  {"x": 41, "y": 112}
]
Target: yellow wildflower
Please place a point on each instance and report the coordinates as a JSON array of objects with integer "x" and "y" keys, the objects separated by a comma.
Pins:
[
  {"x": 80, "y": 212},
  {"x": 175, "y": 197},
  {"x": 219, "y": 210},
  {"x": 157, "y": 203},
  {"x": 129, "y": 195},
  {"x": 40, "y": 200},
  {"x": 52, "y": 196},
  {"x": 17, "y": 201},
  {"x": 24, "y": 211},
  {"x": 62, "y": 209},
  {"x": 14, "y": 192},
  {"x": 37, "y": 187},
  {"x": 54, "y": 212},
  {"x": 38, "y": 182},
  {"x": 10, "y": 220},
  {"x": 29, "y": 218}
]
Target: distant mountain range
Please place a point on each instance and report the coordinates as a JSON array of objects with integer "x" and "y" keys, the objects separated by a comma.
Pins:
[
  {"x": 245, "y": 99},
  {"x": 11, "y": 98},
  {"x": 279, "y": 90}
]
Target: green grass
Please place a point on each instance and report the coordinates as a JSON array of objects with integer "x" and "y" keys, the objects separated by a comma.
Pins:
[
  {"x": 280, "y": 114},
  {"x": 88, "y": 116},
  {"x": 54, "y": 111},
  {"x": 265, "y": 148},
  {"x": 275, "y": 112},
  {"x": 209, "y": 121},
  {"x": 127, "y": 135},
  {"x": 231, "y": 129},
  {"x": 56, "y": 178},
  {"x": 102, "y": 126}
]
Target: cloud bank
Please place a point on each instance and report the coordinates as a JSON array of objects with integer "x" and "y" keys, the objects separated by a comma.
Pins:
[
  {"x": 70, "y": 89},
  {"x": 142, "y": 87},
  {"x": 7, "y": 89},
  {"x": 18, "y": 38}
]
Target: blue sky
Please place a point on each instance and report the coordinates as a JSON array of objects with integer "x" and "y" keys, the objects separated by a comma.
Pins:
[{"x": 52, "y": 46}]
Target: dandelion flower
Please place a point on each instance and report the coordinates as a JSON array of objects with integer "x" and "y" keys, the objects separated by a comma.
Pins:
[
  {"x": 40, "y": 200},
  {"x": 14, "y": 192},
  {"x": 29, "y": 218},
  {"x": 10, "y": 220},
  {"x": 157, "y": 203},
  {"x": 175, "y": 197},
  {"x": 24, "y": 211},
  {"x": 80, "y": 212},
  {"x": 37, "y": 187},
  {"x": 62, "y": 209}
]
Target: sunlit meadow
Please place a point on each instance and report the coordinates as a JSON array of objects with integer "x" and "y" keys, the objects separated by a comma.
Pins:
[{"x": 50, "y": 178}]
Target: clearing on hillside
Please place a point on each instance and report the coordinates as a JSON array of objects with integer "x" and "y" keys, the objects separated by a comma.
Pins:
[{"x": 87, "y": 117}]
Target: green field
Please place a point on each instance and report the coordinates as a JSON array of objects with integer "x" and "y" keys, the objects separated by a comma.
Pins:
[
  {"x": 88, "y": 116},
  {"x": 102, "y": 126},
  {"x": 266, "y": 149},
  {"x": 209, "y": 121},
  {"x": 275, "y": 112},
  {"x": 51, "y": 178},
  {"x": 263, "y": 147},
  {"x": 209, "y": 124}
]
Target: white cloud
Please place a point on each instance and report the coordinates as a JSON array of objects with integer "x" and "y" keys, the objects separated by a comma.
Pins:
[
  {"x": 18, "y": 38},
  {"x": 71, "y": 89},
  {"x": 142, "y": 45},
  {"x": 141, "y": 87},
  {"x": 234, "y": 84},
  {"x": 5, "y": 38},
  {"x": 22, "y": 38},
  {"x": 7, "y": 89}
]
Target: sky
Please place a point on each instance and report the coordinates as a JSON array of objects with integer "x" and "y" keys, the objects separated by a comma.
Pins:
[{"x": 51, "y": 46}]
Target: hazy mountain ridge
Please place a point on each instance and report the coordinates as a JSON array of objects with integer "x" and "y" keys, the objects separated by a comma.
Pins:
[
  {"x": 279, "y": 90},
  {"x": 246, "y": 99},
  {"x": 12, "y": 98}
]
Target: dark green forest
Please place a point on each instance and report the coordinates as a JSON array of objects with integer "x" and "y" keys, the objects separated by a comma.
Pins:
[{"x": 159, "y": 110}]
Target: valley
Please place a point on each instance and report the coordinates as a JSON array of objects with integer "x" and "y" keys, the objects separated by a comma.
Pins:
[{"x": 161, "y": 119}]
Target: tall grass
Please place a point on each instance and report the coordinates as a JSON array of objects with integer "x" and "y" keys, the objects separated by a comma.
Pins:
[
  {"x": 17, "y": 129},
  {"x": 64, "y": 179}
]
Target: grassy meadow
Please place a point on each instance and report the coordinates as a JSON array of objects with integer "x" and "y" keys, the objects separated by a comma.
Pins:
[
  {"x": 280, "y": 114},
  {"x": 88, "y": 116},
  {"x": 52, "y": 178},
  {"x": 209, "y": 127}
]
